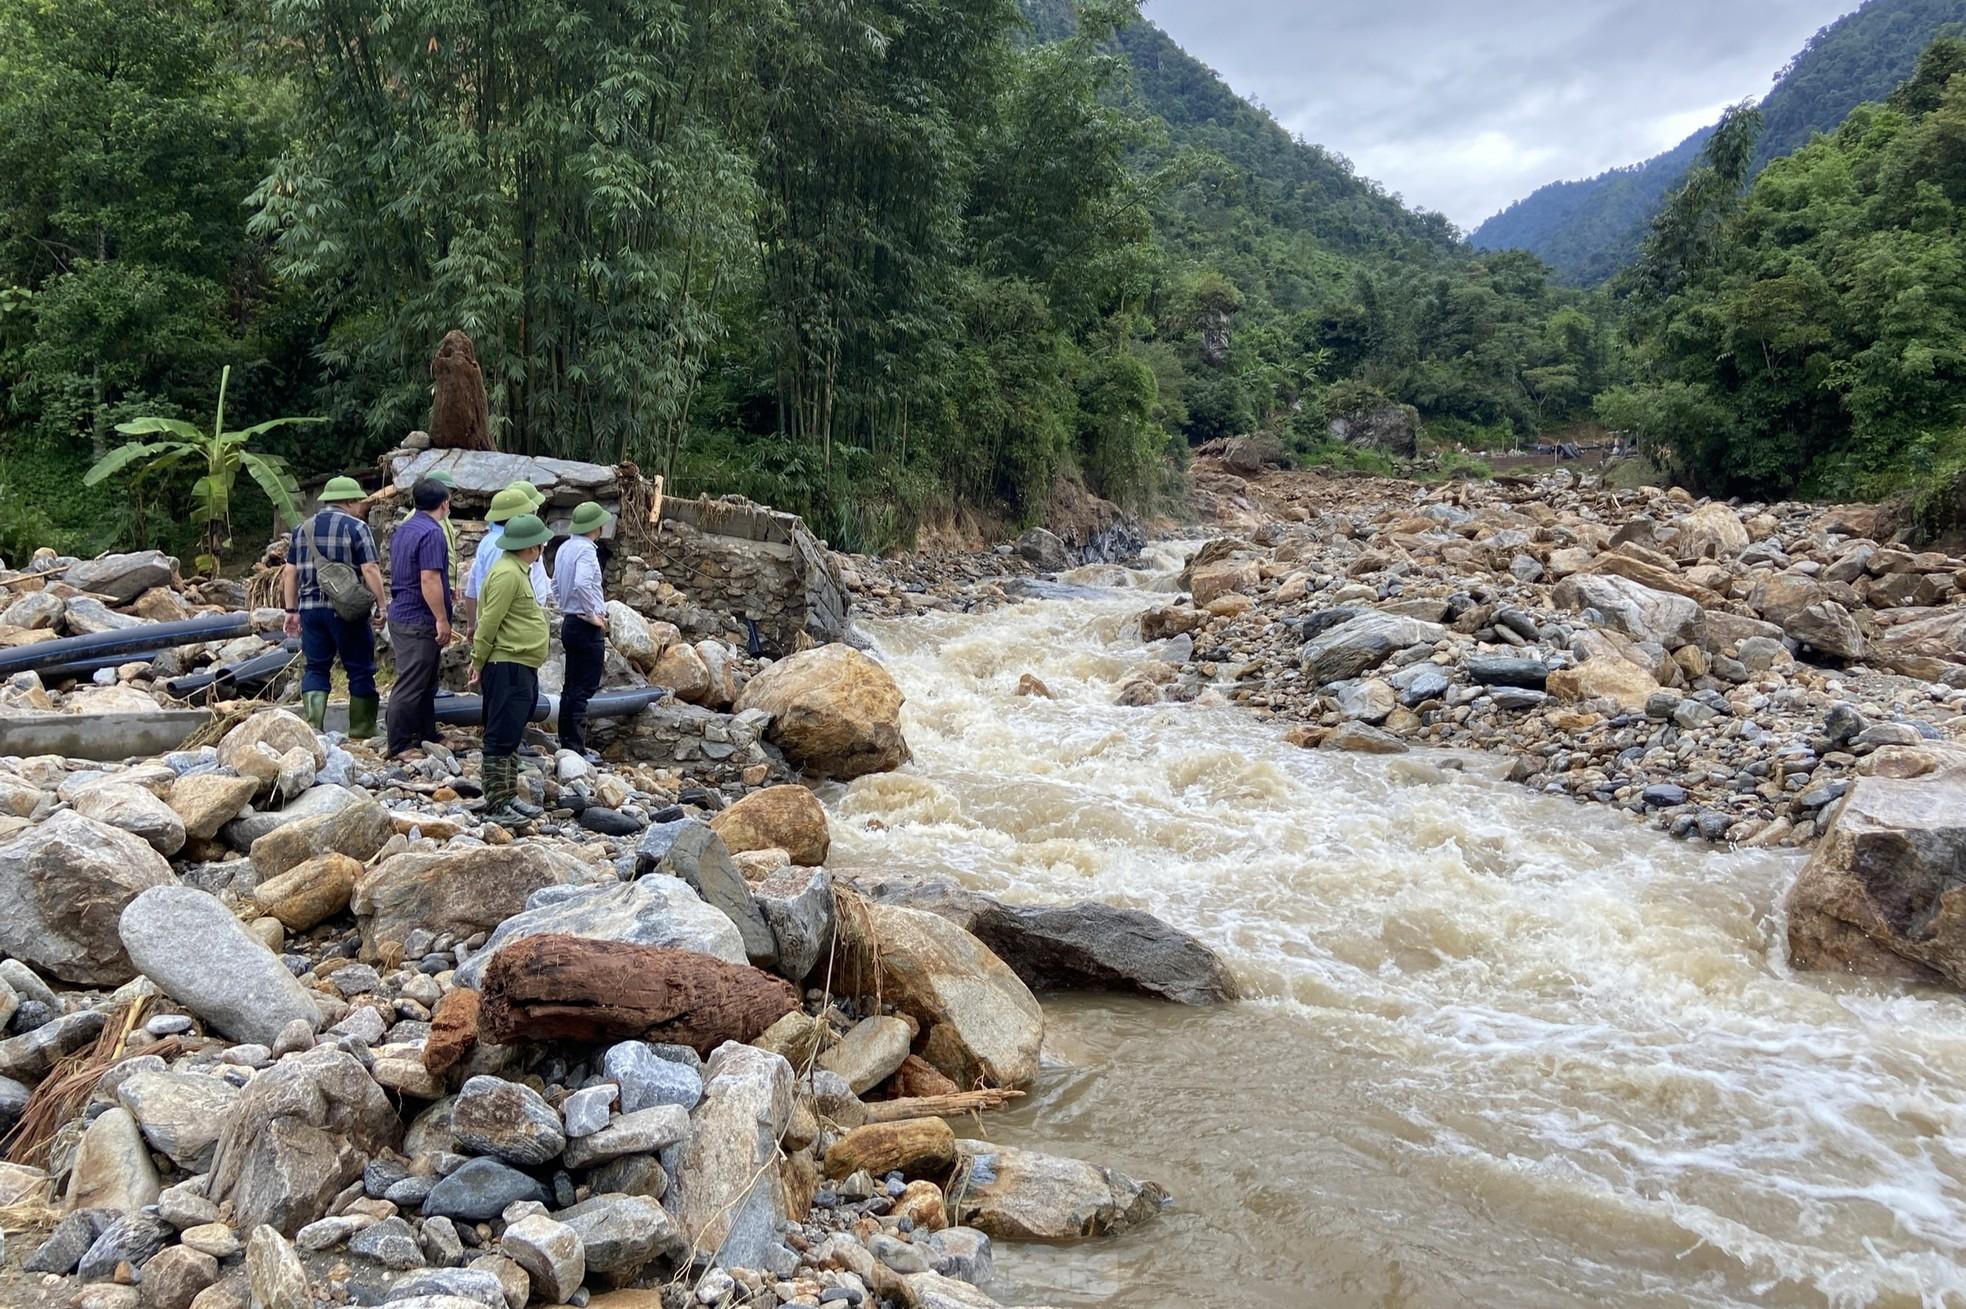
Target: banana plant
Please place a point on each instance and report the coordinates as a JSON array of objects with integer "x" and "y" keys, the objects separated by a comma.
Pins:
[{"x": 222, "y": 453}]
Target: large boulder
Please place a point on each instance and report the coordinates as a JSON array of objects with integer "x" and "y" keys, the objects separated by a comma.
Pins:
[
  {"x": 651, "y": 911},
  {"x": 1363, "y": 643},
  {"x": 122, "y": 578},
  {"x": 188, "y": 942},
  {"x": 327, "y": 798},
  {"x": 1603, "y": 677},
  {"x": 304, "y": 1129},
  {"x": 788, "y": 818},
  {"x": 1884, "y": 891},
  {"x": 63, "y": 886},
  {"x": 726, "y": 1195},
  {"x": 979, "y": 1021},
  {"x": 457, "y": 892},
  {"x": 1922, "y": 643},
  {"x": 205, "y": 802},
  {"x": 630, "y": 633},
  {"x": 112, "y": 1168},
  {"x": 1027, "y": 1196},
  {"x": 1638, "y": 611},
  {"x": 1220, "y": 577},
  {"x": 623, "y": 1234},
  {"x": 1713, "y": 531},
  {"x": 692, "y": 851},
  {"x": 279, "y": 730},
  {"x": 182, "y": 1115},
  {"x": 834, "y": 712},
  {"x": 1087, "y": 946},
  {"x": 137, "y": 812},
  {"x": 357, "y": 830},
  {"x": 1810, "y": 612},
  {"x": 798, "y": 907}
]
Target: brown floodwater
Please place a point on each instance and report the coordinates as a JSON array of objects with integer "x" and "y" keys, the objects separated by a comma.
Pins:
[{"x": 1499, "y": 1048}]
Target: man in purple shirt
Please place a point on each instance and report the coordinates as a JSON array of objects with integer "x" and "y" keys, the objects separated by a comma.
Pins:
[{"x": 419, "y": 615}]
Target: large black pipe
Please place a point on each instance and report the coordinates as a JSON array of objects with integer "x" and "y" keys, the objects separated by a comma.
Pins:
[
  {"x": 246, "y": 675},
  {"x": 469, "y": 710},
  {"x": 146, "y": 636},
  {"x": 86, "y": 668}
]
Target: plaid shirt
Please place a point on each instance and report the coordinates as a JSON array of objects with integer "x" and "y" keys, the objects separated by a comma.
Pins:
[{"x": 329, "y": 535}]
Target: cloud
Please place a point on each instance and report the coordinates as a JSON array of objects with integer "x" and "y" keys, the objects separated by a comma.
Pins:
[{"x": 1464, "y": 106}]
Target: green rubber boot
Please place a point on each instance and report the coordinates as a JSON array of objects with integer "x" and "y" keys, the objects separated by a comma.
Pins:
[
  {"x": 314, "y": 705},
  {"x": 362, "y": 710},
  {"x": 501, "y": 779}
]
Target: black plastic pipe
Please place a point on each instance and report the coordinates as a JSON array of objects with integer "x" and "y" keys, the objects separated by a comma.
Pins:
[
  {"x": 147, "y": 636},
  {"x": 246, "y": 675},
  {"x": 469, "y": 710},
  {"x": 86, "y": 668}
]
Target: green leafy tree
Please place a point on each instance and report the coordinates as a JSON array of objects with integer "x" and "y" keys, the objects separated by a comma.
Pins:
[{"x": 219, "y": 455}]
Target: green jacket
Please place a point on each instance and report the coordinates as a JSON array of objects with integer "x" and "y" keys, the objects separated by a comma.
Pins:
[{"x": 511, "y": 625}]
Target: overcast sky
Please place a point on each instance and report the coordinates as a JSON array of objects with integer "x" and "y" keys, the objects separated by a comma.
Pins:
[{"x": 1466, "y": 105}]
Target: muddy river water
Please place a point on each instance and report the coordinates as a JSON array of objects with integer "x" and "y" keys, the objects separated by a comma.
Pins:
[{"x": 1499, "y": 1048}]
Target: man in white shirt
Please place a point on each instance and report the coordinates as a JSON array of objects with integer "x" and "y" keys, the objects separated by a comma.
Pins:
[{"x": 583, "y": 633}]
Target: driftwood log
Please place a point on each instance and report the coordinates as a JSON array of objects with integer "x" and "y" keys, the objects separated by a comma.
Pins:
[{"x": 553, "y": 988}]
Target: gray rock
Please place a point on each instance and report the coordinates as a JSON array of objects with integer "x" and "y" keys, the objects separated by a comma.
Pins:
[
  {"x": 136, "y": 811},
  {"x": 182, "y": 1114},
  {"x": 241, "y": 832},
  {"x": 26, "y": 984},
  {"x": 632, "y": 1174},
  {"x": 689, "y": 850},
  {"x": 480, "y": 1190},
  {"x": 441, "y": 1244},
  {"x": 188, "y": 943},
  {"x": 85, "y": 616},
  {"x": 1517, "y": 698},
  {"x": 586, "y": 1111},
  {"x": 112, "y": 1169},
  {"x": 1015, "y": 1194},
  {"x": 130, "y": 1238},
  {"x": 472, "y": 1284},
  {"x": 303, "y": 1130},
  {"x": 724, "y": 1194},
  {"x": 1365, "y": 700},
  {"x": 1503, "y": 670},
  {"x": 63, "y": 884},
  {"x": 1044, "y": 550},
  {"x": 1088, "y": 946},
  {"x": 898, "y": 1255},
  {"x": 121, "y": 578},
  {"x": 1663, "y": 795},
  {"x": 69, "y": 1241},
  {"x": 551, "y": 1253},
  {"x": 1362, "y": 644},
  {"x": 28, "y": 1057},
  {"x": 508, "y": 1120},
  {"x": 1638, "y": 611},
  {"x": 275, "y": 1273},
  {"x": 13, "y": 1100},
  {"x": 648, "y": 1079},
  {"x": 1419, "y": 683},
  {"x": 868, "y": 1054},
  {"x": 798, "y": 906},
  {"x": 174, "y": 1277},
  {"x": 622, "y": 1234},
  {"x": 961, "y": 1252},
  {"x": 650, "y": 911},
  {"x": 391, "y": 1242},
  {"x": 644, "y": 1131}
]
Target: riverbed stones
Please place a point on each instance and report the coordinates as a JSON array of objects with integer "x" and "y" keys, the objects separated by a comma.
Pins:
[
  {"x": 64, "y": 883},
  {"x": 550, "y": 1252},
  {"x": 121, "y": 578},
  {"x": 1603, "y": 677},
  {"x": 175, "y": 1276},
  {"x": 788, "y": 818},
  {"x": 1884, "y": 893},
  {"x": 28, "y": 1057},
  {"x": 834, "y": 712},
  {"x": 480, "y": 1190},
  {"x": 725, "y": 1195},
  {"x": 913, "y": 1147},
  {"x": 640, "y": 1131},
  {"x": 1360, "y": 644},
  {"x": 135, "y": 811},
  {"x": 458, "y": 892},
  {"x": 275, "y": 1273},
  {"x": 303, "y": 1130},
  {"x": 1638, "y": 611},
  {"x": 980, "y": 1022},
  {"x": 660, "y": 911},
  {"x": 693, "y": 852},
  {"x": 797, "y": 904},
  {"x": 187, "y": 942},
  {"x": 1014, "y": 1194},
  {"x": 206, "y": 802},
  {"x": 112, "y": 1168},
  {"x": 508, "y": 1120},
  {"x": 648, "y": 1078},
  {"x": 869, "y": 1053},
  {"x": 182, "y": 1115},
  {"x": 620, "y": 1235},
  {"x": 358, "y": 830},
  {"x": 309, "y": 893}
]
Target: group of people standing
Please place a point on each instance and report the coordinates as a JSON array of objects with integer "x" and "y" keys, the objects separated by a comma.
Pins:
[{"x": 337, "y": 600}]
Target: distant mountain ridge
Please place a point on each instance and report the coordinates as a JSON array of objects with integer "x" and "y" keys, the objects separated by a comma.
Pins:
[{"x": 1588, "y": 230}]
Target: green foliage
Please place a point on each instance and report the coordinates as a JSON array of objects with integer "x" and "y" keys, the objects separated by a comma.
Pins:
[
  {"x": 1589, "y": 230},
  {"x": 1812, "y": 333},
  {"x": 221, "y": 452}
]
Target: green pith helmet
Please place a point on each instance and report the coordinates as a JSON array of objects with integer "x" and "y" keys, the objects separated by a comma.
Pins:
[
  {"x": 507, "y": 504},
  {"x": 587, "y": 516},
  {"x": 339, "y": 489},
  {"x": 534, "y": 496},
  {"x": 442, "y": 478},
  {"x": 523, "y": 531}
]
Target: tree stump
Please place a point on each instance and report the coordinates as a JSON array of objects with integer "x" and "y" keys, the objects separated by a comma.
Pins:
[
  {"x": 460, "y": 419},
  {"x": 551, "y": 988}
]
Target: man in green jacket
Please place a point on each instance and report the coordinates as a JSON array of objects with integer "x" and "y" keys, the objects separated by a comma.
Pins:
[{"x": 506, "y": 653}]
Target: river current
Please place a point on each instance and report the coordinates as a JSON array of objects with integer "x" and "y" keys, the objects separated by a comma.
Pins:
[{"x": 1498, "y": 1048}]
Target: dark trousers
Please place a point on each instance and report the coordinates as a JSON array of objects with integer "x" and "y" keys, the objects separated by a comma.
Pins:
[
  {"x": 587, "y": 648},
  {"x": 412, "y": 701},
  {"x": 325, "y": 636},
  {"x": 511, "y": 693}
]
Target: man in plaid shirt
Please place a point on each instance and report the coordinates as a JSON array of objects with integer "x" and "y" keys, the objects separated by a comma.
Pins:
[{"x": 334, "y": 534}]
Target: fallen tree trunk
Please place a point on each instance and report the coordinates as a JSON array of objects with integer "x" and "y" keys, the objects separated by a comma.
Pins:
[{"x": 551, "y": 988}]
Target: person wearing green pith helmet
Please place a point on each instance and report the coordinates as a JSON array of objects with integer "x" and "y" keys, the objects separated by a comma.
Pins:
[
  {"x": 334, "y": 535},
  {"x": 506, "y": 653},
  {"x": 584, "y": 629},
  {"x": 518, "y": 498}
]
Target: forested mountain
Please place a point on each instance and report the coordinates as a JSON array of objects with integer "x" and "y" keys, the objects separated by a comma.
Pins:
[
  {"x": 865, "y": 259},
  {"x": 1810, "y": 332},
  {"x": 1587, "y": 230}
]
